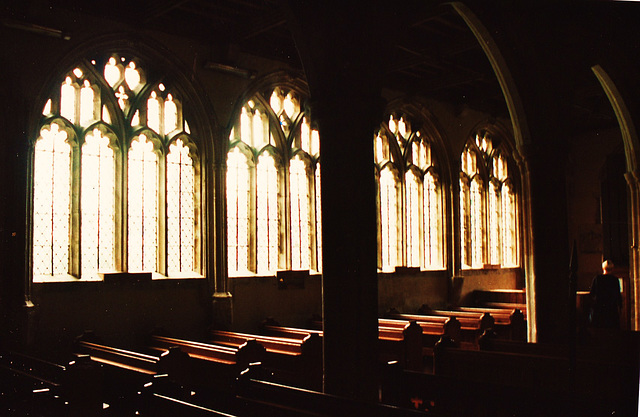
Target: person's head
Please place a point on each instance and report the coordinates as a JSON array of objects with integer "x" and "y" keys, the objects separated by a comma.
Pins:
[{"x": 607, "y": 266}]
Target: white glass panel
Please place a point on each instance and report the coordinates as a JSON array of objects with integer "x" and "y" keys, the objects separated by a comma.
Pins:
[
  {"x": 509, "y": 227},
  {"x": 86, "y": 104},
  {"x": 275, "y": 101},
  {"x": 267, "y": 215},
  {"x": 123, "y": 98},
  {"x": 494, "y": 225},
  {"x": 412, "y": 218},
  {"x": 143, "y": 205},
  {"x": 170, "y": 115},
  {"x": 389, "y": 219},
  {"x": 47, "y": 108},
  {"x": 98, "y": 204},
  {"x": 291, "y": 105},
  {"x": 300, "y": 215},
  {"x": 245, "y": 126},
  {"x": 132, "y": 76},
  {"x": 112, "y": 72},
  {"x": 315, "y": 142},
  {"x": 318, "y": 220},
  {"x": 305, "y": 136},
  {"x": 180, "y": 209},
  {"x": 432, "y": 220},
  {"x": 477, "y": 224},
  {"x": 68, "y": 100},
  {"x": 238, "y": 197},
  {"x": 260, "y": 130},
  {"x": 465, "y": 223},
  {"x": 51, "y": 203},
  {"x": 106, "y": 117},
  {"x": 153, "y": 112}
]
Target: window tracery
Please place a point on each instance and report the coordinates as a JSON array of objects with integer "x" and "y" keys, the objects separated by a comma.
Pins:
[
  {"x": 276, "y": 137},
  {"x": 488, "y": 208},
  {"x": 411, "y": 221},
  {"x": 111, "y": 181}
]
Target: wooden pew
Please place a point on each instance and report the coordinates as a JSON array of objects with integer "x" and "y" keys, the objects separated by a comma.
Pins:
[
  {"x": 276, "y": 400},
  {"x": 471, "y": 325},
  {"x": 122, "y": 372},
  {"x": 509, "y": 323},
  {"x": 205, "y": 366},
  {"x": 291, "y": 360},
  {"x": 36, "y": 386},
  {"x": 601, "y": 385},
  {"x": 398, "y": 340}
]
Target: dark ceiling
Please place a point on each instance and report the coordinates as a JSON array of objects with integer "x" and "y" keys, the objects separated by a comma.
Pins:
[{"x": 436, "y": 56}]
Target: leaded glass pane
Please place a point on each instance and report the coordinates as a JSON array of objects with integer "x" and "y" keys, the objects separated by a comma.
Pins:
[
  {"x": 238, "y": 197},
  {"x": 98, "y": 204},
  {"x": 300, "y": 215},
  {"x": 509, "y": 227},
  {"x": 68, "y": 100},
  {"x": 180, "y": 209},
  {"x": 260, "y": 129},
  {"x": 132, "y": 76},
  {"x": 153, "y": 112},
  {"x": 432, "y": 220},
  {"x": 86, "y": 104},
  {"x": 267, "y": 215},
  {"x": 318, "y": 220},
  {"x": 465, "y": 222},
  {"x": 494, "y": 224},
  {"x": 143, "y": 205},
  {"x": 245, "y": 126},
  {"x": 477, "y": 223},
  {"x": 51, "y": 202},
  {"x": 112, "y": 72},
  {"x": 389, "y": 219},
  {"x": 170, "y": 115},
  {"x": 412, "y": 218}
]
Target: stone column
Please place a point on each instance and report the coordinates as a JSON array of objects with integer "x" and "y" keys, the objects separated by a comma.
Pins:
[
  {"x": 340, "y": 49},
  {"x": 222, "y": 302}
]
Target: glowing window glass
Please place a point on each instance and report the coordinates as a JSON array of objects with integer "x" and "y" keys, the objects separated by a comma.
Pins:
[
  {"x": 98, "y": 204},
  {"x": 51, "y": 202},
  {"x": 143, "y": 206},
  {"x": 180, "y": 209}
]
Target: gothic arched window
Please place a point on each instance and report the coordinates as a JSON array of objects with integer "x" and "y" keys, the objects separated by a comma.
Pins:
[
  {"x": 488, "y": 206},
  {"x": 273, "y": 187},
  {"x": 90, "y": 178},
  {"x": 410, "y": 197}
]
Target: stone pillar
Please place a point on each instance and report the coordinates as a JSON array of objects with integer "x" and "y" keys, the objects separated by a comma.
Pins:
[
  {"x": 634, "y": 254},
  {"x": 343, "y": 71},
  {"x": 222, "y": 301},
  {"x": 349, "y": 284}
]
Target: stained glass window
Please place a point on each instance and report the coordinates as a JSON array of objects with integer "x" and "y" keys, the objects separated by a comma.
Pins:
[
  {"x": 389, "y": 219},
  {"x": 413, "y": 216},
  {"x": 432, "y": 219},
  {"x": 488, "y": 209},
  {"x": 494, "y": 215},
  {"x": 238, "y": 220},
  {"x": 180, "y": 209},
  {"x": 85, "y": 188},
  {"x": 472, "y": 212},
  {"x": 51, "y": 202},
  {"x": 267, "y": 215},
  {"x": 98, "y": 204},
  {"x": 318, "y": 220},
  {"x": 509, "y": 227},
  {"x": 143, "y": 205},
  {"x": 300, "y": 215},
  {"x": 273, "y": 187}
]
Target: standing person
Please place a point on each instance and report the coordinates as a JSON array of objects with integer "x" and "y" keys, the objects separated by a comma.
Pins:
[{"x": 606, "y": 300}]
